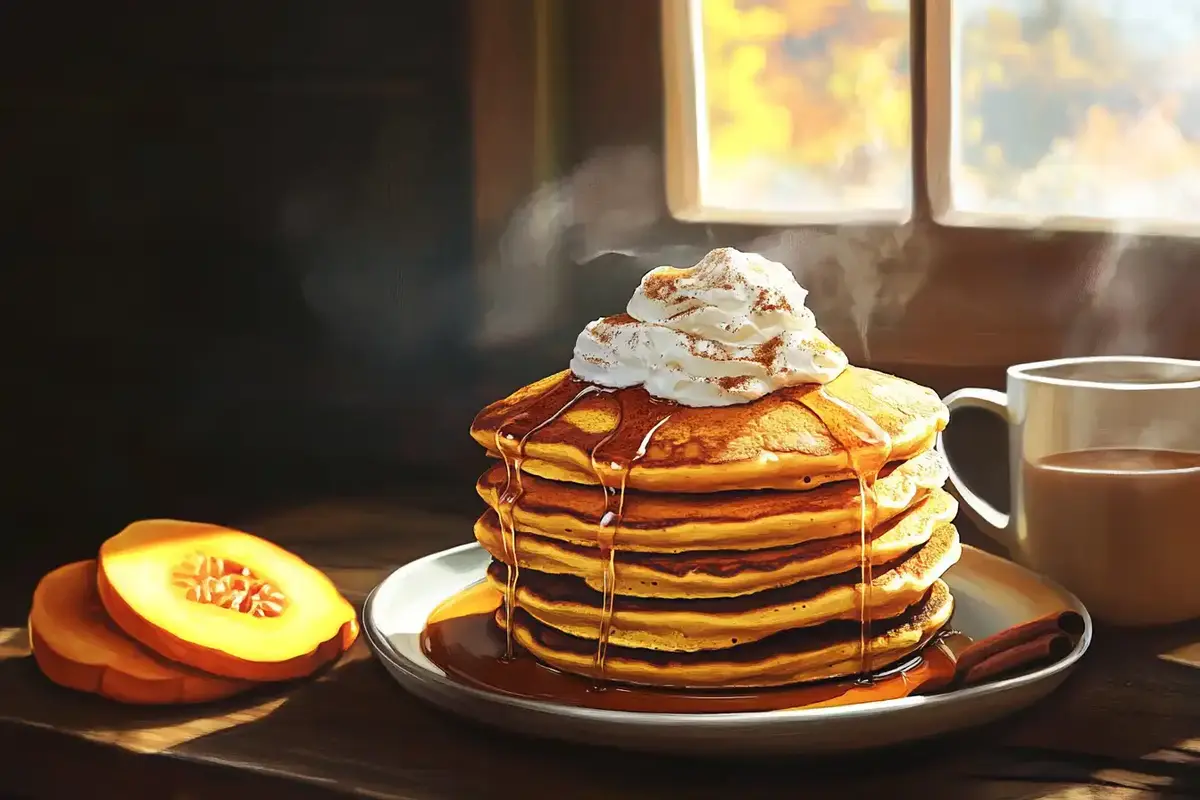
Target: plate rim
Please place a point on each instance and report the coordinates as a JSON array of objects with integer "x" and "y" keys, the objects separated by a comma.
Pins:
[{"x": 386, "y": 652}]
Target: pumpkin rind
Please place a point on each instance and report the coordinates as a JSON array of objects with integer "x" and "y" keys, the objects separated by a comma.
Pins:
[
  {"x": 134, "y": 581},
  {"x": 75, "y": 645}
]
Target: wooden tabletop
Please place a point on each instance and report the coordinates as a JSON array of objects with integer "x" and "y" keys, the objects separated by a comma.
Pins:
[{"x": 1125, "y": 725}]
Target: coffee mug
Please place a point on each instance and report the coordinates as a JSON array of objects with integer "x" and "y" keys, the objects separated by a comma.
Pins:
[{"x": 1104, "y": 461}]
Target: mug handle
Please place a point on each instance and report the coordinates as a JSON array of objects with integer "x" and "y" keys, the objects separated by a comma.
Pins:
[{"x": 988, "y": 518}]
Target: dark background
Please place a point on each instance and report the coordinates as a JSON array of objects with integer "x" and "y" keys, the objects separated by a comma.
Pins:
[
  {"x": 252, "y": 253},
  {"x": 216, "y": 220}
]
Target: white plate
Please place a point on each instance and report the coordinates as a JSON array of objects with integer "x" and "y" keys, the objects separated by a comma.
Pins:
[{"x": 990, "y": 594}]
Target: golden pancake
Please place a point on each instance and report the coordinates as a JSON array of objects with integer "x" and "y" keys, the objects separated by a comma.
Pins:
[
  {"x": 721, "y": 573},
  {"x": 775, "y": 442},
  {"x": 684, "y": 625},
  {"x": 827, "y": 651},
  {"x": 676, "y": 523}
]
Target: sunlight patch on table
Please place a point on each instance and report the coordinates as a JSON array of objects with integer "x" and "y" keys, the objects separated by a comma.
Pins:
[
  {"x": 157, "y": 738},
  {"x": 14, "y": 642},
  {"x": 1188, "y": 655}
]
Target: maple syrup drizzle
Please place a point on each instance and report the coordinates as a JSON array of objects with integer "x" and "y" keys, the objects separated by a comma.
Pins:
[
  {"x": 462, "y": 636},
  {"x": 610, "y": 521},
  {"x": 869, "y": 448},
  {"x": 506, "y": 501},
  {"x": 463, "y": 639}
]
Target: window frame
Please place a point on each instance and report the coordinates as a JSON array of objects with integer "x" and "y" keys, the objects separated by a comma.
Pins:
[
  {"x": 933, "y": 140},
  {"x": 941, "y": 60},
  {"x": 991, "y": 297},
  {"x": 686, "y": 140}
]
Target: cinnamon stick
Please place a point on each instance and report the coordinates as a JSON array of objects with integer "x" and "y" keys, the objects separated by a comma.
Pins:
[
  {"x": 1045, "y": 637},
  {"x": 1047, "y": 647}
]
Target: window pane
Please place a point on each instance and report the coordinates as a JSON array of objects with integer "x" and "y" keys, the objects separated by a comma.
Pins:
[
  {"x": 1083, "y": 109},
  {"x": 802, "y": 109}
]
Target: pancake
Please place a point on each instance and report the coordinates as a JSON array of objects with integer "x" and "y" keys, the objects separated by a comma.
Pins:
[
  {"x": 675, "y": 523},
  {"x": 775, "y": 442},
  {"x": 721, "y": 573},
  {"x": 804, "y": 654},
  {"x": 684, "y": 625}
]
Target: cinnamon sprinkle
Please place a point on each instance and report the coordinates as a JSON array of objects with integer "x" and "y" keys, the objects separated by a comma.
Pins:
[
  {"x": 603, "y": 330},
  {"x": 766, "y": 304},
  {"x": 663, "y": 285},
  {"x": 766, "y": 353},
  {"x": 683, "y": 313},
  {"x": 597, "y": 361}
]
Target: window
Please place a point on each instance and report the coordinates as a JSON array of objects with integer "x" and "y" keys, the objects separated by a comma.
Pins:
[
  {"x": 788, "y": 110},
  {"x": 1067, "y": 114}
]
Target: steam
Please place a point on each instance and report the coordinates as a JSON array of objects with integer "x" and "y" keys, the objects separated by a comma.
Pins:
[
  {"x": 608, "y": 205},
  {"x": 613, "y": 205},
  {"x": 1116, "y": 300},
  {"x": 867, "y": 264},
  {"x": 862, "y": 279},
  {"x": 521, "y": 279},
  {"x": 1121, "y": 287},
  {"x": 1122, "y": 290}
]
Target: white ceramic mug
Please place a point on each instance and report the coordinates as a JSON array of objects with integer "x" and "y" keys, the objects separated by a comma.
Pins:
[{"x": 1104, "y": 461}]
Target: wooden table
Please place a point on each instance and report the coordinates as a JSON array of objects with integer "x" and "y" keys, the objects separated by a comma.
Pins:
[{"x": 1126, "y": 725}]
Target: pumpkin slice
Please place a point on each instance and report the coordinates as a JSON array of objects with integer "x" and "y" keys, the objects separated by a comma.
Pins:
[
  {"x": 222, "y": 600},
  {"x": 76, "y": 645}
]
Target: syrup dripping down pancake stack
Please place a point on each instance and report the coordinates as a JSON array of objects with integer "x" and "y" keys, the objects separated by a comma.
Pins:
[{"x": 712, "y": 497}]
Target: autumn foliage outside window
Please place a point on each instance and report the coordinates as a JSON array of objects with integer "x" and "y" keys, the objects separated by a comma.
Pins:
[{"x": 1062, "y": 113}]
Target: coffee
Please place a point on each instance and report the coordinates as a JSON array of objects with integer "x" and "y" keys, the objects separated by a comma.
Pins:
[{"x": 1119, "y": 527}]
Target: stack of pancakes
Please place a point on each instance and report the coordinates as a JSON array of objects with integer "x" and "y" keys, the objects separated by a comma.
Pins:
[{"x": 737, "y": 556}]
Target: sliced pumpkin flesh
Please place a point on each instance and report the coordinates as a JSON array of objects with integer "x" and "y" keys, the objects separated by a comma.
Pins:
[
  {"x": 76, "y": 645},
  {"x": 210, "y": 579},
  {"x": 222, "y": 600}
]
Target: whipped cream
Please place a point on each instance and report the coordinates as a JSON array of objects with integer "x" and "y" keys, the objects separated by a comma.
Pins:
[{"x": 729, "y": 330}]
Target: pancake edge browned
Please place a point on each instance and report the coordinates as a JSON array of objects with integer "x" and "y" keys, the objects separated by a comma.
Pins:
[
  {"x": 563, "y": 461},
  {"x": 735, "y": 520},
  {"x": 720, "y": 573},
  {"x": 674, "y": 624},
  {"x": 788, "y": 657}
]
